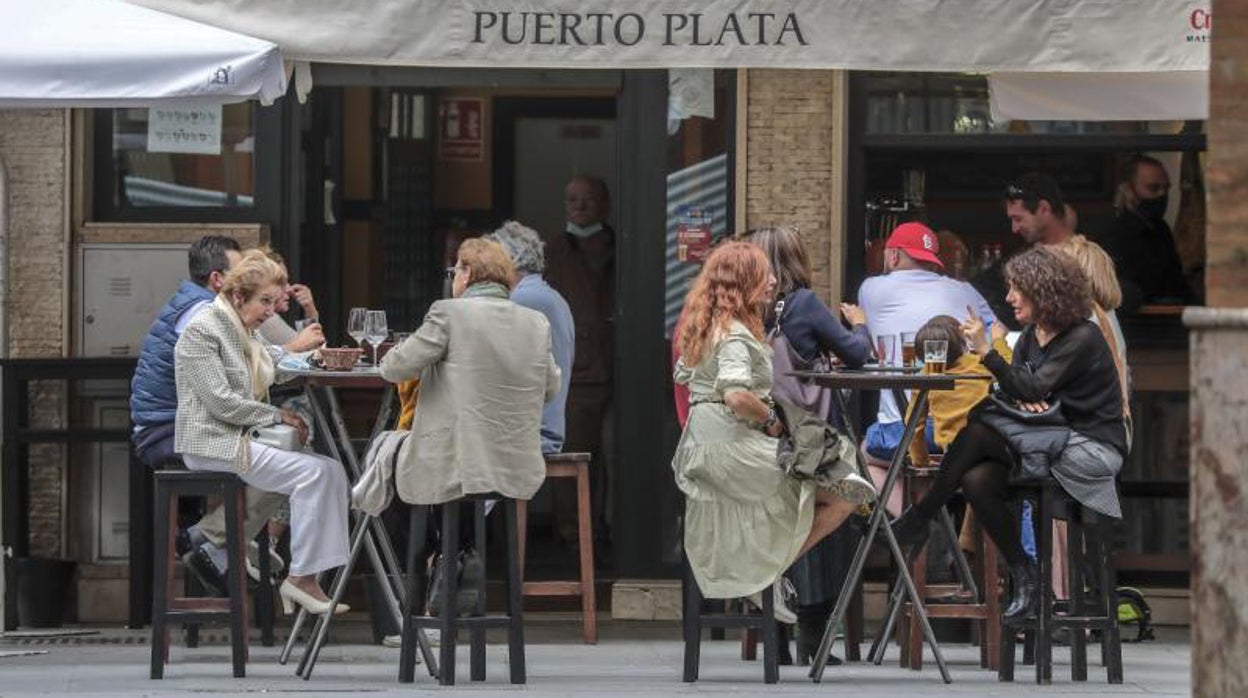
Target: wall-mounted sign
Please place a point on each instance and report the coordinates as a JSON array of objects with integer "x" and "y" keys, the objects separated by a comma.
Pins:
[
  {"x": 693, "y": 234},
  {"x": 181, "y": 130},
  {"x": 461, "y": 129}
]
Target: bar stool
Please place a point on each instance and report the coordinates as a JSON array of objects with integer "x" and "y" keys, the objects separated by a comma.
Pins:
[
  {"x": 983, "y": 604},
  {"x": 166, "y": 606},
  {"x": 569, "y": 465},
  {"x": 1083, "y": 539},
  {"x": 448, "y": 622},
  {"x": 693, "y": 619}
]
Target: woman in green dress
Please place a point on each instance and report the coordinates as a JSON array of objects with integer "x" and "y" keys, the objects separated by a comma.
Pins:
[{"x": 745, "y": 520}]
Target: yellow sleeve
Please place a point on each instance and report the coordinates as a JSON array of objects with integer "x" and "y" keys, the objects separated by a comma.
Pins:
[
  {"x": 918, "y": 445},
  {"x": 1003, "y": 349},
  {"x": 409, "y": 392}
]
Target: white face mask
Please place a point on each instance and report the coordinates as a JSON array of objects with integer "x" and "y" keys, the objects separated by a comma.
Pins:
[{"x": 583, "y": 231}]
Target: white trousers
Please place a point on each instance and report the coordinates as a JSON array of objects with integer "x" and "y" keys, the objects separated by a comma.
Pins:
[{"x": 317, "y": 487}]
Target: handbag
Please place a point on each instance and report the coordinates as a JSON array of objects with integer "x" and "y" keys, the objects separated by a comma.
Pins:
[
  {"x": 281, "y": 436},
  {"x": 1035, "y": 438},
  {"x": 805, "y": 394}
]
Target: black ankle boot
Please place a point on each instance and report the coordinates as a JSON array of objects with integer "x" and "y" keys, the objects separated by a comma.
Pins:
[
  {"x": 1026, "y": 580},
  {"x": 911, "y": 529},
  {"x": 811, "y": 622}
]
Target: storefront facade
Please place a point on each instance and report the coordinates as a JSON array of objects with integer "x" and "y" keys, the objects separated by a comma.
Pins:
[{"x": 317, "y": 180}]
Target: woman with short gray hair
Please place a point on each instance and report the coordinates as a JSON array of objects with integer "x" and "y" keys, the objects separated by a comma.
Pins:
[{"x": 523, "y": 245}]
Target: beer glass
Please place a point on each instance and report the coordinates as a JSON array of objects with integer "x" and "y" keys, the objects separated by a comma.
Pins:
[
  {"x": 886, "y": 349},
  {"x": 934, "y": 353},
  {"x": 907, "y": 349}
]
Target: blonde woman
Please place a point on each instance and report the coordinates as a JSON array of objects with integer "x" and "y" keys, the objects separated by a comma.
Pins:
[{"x": 223, "y": 373}]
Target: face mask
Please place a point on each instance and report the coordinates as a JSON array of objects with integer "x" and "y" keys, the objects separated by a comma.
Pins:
[
  {"x": 1154, "y": 208},
  {"x": 583, "y": 231}
]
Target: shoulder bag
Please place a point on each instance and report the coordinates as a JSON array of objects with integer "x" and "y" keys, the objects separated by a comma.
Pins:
[
  {"x": 1035, "y": 438},
  {"x": 805, "y": 394}
]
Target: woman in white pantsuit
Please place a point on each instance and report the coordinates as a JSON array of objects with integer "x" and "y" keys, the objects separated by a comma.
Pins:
[{"x": 223, "y": 377}]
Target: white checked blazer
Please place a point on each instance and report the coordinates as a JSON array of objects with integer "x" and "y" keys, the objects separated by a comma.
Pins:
[{"x": 215, "y": 404}]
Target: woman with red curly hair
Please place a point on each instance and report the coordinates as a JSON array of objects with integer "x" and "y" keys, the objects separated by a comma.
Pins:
[{"x": 745, "y": 520}]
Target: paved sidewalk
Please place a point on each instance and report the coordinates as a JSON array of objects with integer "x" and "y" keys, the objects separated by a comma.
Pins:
[{"x": 633, "y": 658}]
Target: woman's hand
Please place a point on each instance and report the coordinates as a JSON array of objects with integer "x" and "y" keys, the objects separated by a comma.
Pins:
[
  {"x": 853, "y": 314},
  {"x": 998, "y": 331},
  {"x": 294, "y": 420},
  {"x": 775, "y": 430},
  {"x": 973, "y": 331},
  {"x": 309, "y": 338}
]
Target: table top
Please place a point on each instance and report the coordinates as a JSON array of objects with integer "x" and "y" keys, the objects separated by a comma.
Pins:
[
  {"x": 359, "y": 377},
  {"x": 862, "y": 379}
]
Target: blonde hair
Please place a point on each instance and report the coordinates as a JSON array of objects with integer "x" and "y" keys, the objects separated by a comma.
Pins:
[
  {"x": 486, "y": 262},
  {"x": 1098, "y": 266},
  {"x": 253, "y": 272}
]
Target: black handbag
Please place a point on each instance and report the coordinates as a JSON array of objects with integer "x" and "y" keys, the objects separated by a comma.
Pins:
[{"x": 1035, "y": 438}]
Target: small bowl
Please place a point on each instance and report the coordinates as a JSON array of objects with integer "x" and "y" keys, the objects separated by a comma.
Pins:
[{"x": 341, "y": 358}]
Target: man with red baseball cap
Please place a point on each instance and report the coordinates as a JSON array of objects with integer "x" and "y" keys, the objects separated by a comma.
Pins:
[{"x": 911, "y": 291}]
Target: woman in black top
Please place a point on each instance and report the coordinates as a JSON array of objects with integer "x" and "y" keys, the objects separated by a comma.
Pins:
[
  {"x": 812, "y": 330},
  {"x": 1060, "y": 357}
]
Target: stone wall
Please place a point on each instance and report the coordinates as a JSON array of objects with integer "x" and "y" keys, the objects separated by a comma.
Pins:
[
  {"x": 792, "y": 168},
  {"x": 1219, "y": 349},
  {"x": 33, "y": 151}
]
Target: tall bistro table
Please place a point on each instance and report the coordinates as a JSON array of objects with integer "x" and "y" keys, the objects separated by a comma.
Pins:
[
  {"x": 320, "y": 388},
  {"x": 898, "y": 380}
]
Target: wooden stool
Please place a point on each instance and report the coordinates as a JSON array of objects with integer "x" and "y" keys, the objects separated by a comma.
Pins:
[
  {"x": 1100, "y": 612},
  {"x": 693, "y": 620},
  {"x": 984, "y": 608},
  {"x": 569, "y": 465},
  {"x": 448, "y": 622},
  {"x": 166, "y": 606}
]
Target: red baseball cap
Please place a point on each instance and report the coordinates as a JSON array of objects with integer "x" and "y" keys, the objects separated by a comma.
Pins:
[{"x": 916, "y": 240}]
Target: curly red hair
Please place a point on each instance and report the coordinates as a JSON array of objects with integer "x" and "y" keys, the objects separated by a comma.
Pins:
[{"x": 732, "y": 286}]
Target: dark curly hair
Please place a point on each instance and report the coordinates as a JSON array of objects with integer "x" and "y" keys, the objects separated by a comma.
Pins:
[{"x": 1055, "y": 285}]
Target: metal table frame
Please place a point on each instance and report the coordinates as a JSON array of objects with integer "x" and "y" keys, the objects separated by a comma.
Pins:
[
  {"x": 892, "y": 380},
  {"x": 368, "y": 532}
]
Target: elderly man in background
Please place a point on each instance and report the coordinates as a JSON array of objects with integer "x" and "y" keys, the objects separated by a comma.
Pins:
[{"x": 580, "y": 265}]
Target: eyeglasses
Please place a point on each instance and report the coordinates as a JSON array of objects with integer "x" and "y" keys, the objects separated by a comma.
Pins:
[
  {"x": 1014, "y": 192},
  {"x": 450, "y": 272}
]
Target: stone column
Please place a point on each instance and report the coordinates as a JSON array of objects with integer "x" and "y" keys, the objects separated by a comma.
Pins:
[{"x": 1219, "y": 341}]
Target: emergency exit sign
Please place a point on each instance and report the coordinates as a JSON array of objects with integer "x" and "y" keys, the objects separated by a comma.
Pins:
[{"x": 461, "y": 129}]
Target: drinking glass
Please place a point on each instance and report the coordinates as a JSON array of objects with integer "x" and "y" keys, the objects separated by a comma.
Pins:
[
  {"x": 355, "y": 325},
  {"x": 935, "y": 351},
  {"x": 375, "y": 330},
  {"x": 907, "y": 349},
  {"x": 886, "y": 349}
]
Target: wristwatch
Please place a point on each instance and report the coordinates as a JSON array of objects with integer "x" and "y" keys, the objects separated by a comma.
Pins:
[{"x": 766, "y": 425}]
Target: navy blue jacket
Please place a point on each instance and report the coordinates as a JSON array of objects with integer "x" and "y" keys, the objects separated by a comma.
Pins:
[
  {"x": 153, "y": 395},
  {"x": 812, "y": 328}
]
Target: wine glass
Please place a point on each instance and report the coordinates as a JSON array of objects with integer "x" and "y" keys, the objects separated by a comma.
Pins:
[
  {"x": 375, "y": 329},
  {"x": 355, "y": 325}
]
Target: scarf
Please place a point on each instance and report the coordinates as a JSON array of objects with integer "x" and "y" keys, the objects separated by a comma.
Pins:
[
  {"x": 487, "y": 289},
  {"x": 259, "y": 366}
]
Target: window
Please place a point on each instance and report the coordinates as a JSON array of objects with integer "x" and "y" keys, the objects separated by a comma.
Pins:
[{"x": 154, "y": 163}]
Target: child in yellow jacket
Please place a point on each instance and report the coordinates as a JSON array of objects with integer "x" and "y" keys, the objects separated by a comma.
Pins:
[{"x": 949, "y": 409}]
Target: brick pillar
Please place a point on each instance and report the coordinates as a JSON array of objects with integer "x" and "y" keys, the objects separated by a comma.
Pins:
[
  {"x": 791, "y": 164},
  {"x": 1219, "y": 341}
]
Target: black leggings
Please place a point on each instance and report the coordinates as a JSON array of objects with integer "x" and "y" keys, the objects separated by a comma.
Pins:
[{"x": 979, "y": 462}]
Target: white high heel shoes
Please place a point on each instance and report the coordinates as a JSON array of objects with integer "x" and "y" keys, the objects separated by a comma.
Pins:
[{"x": 292, "y": 595}]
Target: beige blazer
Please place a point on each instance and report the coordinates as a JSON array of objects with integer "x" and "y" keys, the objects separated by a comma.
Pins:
[
  {"x": 214, "y": 388},
  {"x": 485, "y": 371}
]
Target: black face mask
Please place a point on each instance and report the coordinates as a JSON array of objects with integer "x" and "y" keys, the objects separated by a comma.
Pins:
[{"x": 1154, "y": 208}]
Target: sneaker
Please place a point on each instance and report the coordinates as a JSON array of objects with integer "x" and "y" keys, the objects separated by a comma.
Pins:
[
  {"x": 781, "y": 590},
  {"x": 276, "y": 563},
  {"x": 396, "y": 641},
  {"x": 199, "y": 563}
]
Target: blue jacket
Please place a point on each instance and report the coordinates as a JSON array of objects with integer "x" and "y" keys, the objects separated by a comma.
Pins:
[
  {"x": 533, "y": 292},
  {"x": 153, "y": 395}
]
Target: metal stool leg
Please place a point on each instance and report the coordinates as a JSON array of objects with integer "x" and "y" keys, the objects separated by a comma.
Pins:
[
  {"x": 236, "y": 577},
  {"x": 515, "y": 596},
  {"x": 417, "y": 531},
  {"x": 450, "y": 554},
  {"x": 162, "y": 576},
  {"x": 476, "y": 634},
  {"x": 691, "y": 623}
]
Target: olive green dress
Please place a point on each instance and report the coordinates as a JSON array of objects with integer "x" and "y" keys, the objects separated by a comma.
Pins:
[{"x": 745, "y": 520}]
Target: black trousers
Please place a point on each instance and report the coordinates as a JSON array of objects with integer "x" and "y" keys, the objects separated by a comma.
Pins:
[{"x": 979, "y": 462}]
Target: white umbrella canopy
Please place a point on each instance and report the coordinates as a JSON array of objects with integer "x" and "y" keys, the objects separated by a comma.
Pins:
[{"x": 107, "y": 53}]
